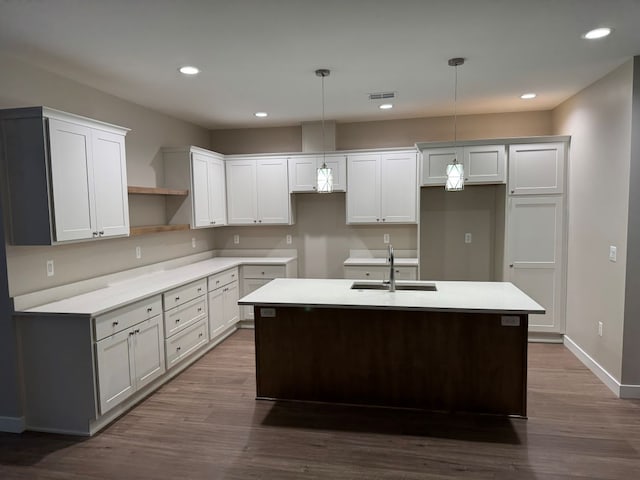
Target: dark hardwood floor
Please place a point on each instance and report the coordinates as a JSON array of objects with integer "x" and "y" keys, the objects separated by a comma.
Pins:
[{"x": 206, "y": 424}]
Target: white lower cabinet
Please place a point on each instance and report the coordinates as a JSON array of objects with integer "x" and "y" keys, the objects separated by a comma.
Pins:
[
  {"x": 129, "y": 360},
  {"x": 185, "y": 315},
  {"x": 223, "y": 302},
  {"x": 254, "y": 277}
]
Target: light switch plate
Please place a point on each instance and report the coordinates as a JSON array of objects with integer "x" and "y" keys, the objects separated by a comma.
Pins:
[
  {"x": 385, "y": 238},
  {"x": 50, "y": 268},
  {"x": 193, "y": 242},
  {"x": 289, "y": 239},
  {"x": 236, "y": 239},
  {"x": 467, "y": 238},
  {"x": 138, "y": 252},
  {"x": 613, "y": 253}
]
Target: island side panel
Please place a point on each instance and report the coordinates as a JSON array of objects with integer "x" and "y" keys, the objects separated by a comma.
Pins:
[{"x": 414, "y": 359}]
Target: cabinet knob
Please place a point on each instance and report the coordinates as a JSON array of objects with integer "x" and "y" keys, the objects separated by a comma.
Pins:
[
  {"x": 199, "y": 289},
  {"x": 254, "y": 221},
  {"x": 137, "y": 330},
  {"x": 367, "y": 274},
  {"x": 384, "y": 219},
  {"x": 177, "y": 298},
  {"x": 95, "y": 234},
  {"x": 513, "y": 191},
  {"x": 377, "y": 219},
  {"x": 115, "y": 323},
  {"x": 178, "y": 349},
  {"x": 177, "y": 320},
  {"x": 101, "y": 232},
  {"x": 200, "y": 335},
  {"x": 131, "y": 333},
  {"x": 314, "y": 188},
  {"x": 150, "y": 309},
  {"x": 511, "y": 265},
  {"x": 233, "y": 275},
  {"x": 259, "y": 221},
  {"x": 199, "y": 309}
]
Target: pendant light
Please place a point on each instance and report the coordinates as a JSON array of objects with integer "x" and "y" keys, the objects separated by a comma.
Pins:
[
  {"x": 455, "y": 170},
  {"x": 325, "y": 175}
]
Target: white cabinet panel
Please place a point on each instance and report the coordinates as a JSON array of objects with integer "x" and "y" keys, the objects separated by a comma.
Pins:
[
  {"x": 200, "y": 190},
  {"x": 217, "y": 322},
  {"x": 363, "y": 197},
  {"x": 148, "y": 351},
  {"x": 273, "y": 191},
  {"x": 303, "y": 172},
  {"x": 434, "y": 164},
  {"x": 71, "y": 179},
  {"x": 484, "y": 164},
  {"x": 535, "y": 263},
  {"x": 242, "y": 205},
  {"x": 110, "y": 179},
  {"x": 217, "y": 192},
  {"x": 536, "y": 169},
  {"x": 230, "y": 304},
  {"x": 116, "y": 370}
]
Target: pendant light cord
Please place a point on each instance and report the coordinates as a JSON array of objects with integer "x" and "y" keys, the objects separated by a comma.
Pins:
[
  {"x": 455, "y": 108},
  {"x": 324, "y": 146}
]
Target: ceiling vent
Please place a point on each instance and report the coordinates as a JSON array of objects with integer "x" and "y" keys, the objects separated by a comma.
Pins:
[{"x": 382, "y": 96}]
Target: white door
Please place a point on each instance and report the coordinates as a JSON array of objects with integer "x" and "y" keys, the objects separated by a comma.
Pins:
[
  {"x": 399, "y": 187},
  {"x": 338, "y": 166},
  {"x": 536, "y": 169},
  {"x": 116, "y": 378},
  {"x": 230, "y": 306},
  {"x": 110, "y": 180},
  {"x": 216, "y": 312},
  {"x": 272, "y": 187},
  {"x": 302, "y": 174},
  {"x": 200, "y": 190},
  {"x": 484, "y": 164},
  {"x": 363, "y": 189},
  {"x": 241, "y": 192},
  {"x": 71, "y": 180},
  {"x": 217, "y": 192},
  {"x": 148, "y": 348},
  {"x": 535, "y": 256},
  {"x": 434, "y": 164}
]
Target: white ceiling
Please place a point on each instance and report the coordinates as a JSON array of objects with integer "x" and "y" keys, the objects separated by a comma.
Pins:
[{"x": 260, "y": 55}]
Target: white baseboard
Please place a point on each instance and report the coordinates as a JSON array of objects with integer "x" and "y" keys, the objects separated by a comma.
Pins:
[
  {"x": 599, "y": 371},
  {"x": 12, "y": 424}
]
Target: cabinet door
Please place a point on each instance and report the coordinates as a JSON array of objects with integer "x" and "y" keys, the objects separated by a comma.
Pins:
[
  {"x": 71, "y": 180},
  {"x": 363, "y": 189},
  {"x": 216, "y": 313},
  {"x": 148, "y": 351},
  {"x": 116, "y": 377},
  {"x": 434, "y": 164},
  {"x": 484, "y": 164},
  {"x": 302, "y": 174},
  {"x": 536, "y": 169},
  {"x": 272, "y": 187},
  {"x": 231, "y": 304},
  {"x": 365, "y": 272},
  {"x": 399, "y": 187},
  {"x": 535, "y": 256},
  {"x": 110, "y": 180},
  {"x": 217, "y": 192},
  {"x": 200, "y": 190},
  {"x": 241, "y": 192}
]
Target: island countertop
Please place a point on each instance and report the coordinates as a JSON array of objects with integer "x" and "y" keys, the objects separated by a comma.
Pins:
[{"x": 480, "y": 297}]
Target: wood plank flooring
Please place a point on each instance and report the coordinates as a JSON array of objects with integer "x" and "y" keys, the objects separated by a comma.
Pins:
[{"x": 206, "y": 424}]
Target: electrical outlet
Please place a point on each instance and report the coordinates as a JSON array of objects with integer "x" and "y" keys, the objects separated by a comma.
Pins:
[
  {"x": 49, "y": 268},
  {"x": 138, "y": 252},
  {"x": 193, "y": 242},
  {"x": 467, "y": 238},
  {"x": 289, "y": 240},
  {"x": 613, "y": 253},
  {"x": 236, "y": 239},
  {"x": 600, "y": 329},
  {"x": 385, "y": 238}
]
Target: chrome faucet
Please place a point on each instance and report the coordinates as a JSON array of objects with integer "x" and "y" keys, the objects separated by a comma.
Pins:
[{"x": 392, "y": 273}]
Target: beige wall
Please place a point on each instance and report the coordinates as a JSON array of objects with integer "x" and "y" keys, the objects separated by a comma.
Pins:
[
  {"x": 320, "y": 235},
  {"x": 24, "y": 85},
  {"x": 446, "y": 217},
  {"x": 599, "y": 121},
  {"x": 257, "y": 140}
]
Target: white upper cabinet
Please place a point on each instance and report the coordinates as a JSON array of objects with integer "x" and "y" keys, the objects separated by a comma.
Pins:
[
  {"x": 536, "y": 168},
  {"x": 67, "y": 175},
  {"x": 258, "y": 191},
  {"x": 303, "y": 172},
  {"x": 482, "y": 164},
  {"x": 202, "y": 172},
  {"x": 382, "y": 187}
]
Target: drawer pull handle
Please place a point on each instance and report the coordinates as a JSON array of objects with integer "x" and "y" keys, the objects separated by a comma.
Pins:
[
  {"x": 137, "y": 330},
  {"x": 101, "y": 232},
  {"x": 177, "y": 298},
  {"x": 367, "y": 274},
  {"x": 262, "y": 273},
  {"x": 178, "y": 349},
  {"x": 233, "y": 275},
  {"x": 131, "y": 333},
  {"x": 217, "y": 281},
  {"x": 199, "y": 309},
  {"x": 115, "y": 323},
  {"x": 199, "y": 289},
  {"x": 150, "y": 309},
  {"x": 177, "y": 320},
  {"x": 200, "y": 335}
]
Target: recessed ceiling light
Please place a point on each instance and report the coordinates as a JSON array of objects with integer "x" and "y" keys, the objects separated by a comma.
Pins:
[
  {"x": 385, "y": 106},
  {"x": 597, "y": 33},
  {"x": 261, "y": 114},
  {"x": 189, "y": 70},
  {"x": 528, "y": 96}
]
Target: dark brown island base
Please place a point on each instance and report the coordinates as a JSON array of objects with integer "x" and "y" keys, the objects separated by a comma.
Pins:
[{"x": 393, "y": 349}]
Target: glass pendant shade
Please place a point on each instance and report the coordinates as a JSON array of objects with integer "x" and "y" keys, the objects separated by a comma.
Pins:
[
  {"x": 455, "y": 177},
  {"x": 325, "y": 180}
]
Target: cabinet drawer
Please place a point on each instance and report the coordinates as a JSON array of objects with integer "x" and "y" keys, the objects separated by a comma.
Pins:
[
  {"x": 264, "y": 271},
  {"x": 125, "y": 317},
  {"x": 181, "y": 317},
  {"x": 183, "y": 294},
  {"x": 403, "y": 273},
  {"x": 223, "y": 278},
  {"x": 365, "y": 273},
  {"x": 186, "y": 342}
]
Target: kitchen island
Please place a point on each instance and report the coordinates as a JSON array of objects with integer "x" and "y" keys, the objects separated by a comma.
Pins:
[{"x": 462, "y": 347}]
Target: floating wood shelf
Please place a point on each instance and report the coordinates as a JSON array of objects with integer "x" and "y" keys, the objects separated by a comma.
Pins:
[
  {"x": 133, "y": 231},
  {"x": 157, "y": 191}
]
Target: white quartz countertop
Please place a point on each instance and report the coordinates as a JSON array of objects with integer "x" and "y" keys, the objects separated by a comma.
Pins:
[
  {"x": 143, "y": 286},
  {"x": 372, "y": 262},
  {"x": 479, "y": 297}
]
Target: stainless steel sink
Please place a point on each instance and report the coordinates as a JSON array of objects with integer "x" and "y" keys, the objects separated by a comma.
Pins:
[{"x": 423, "y": 286}]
